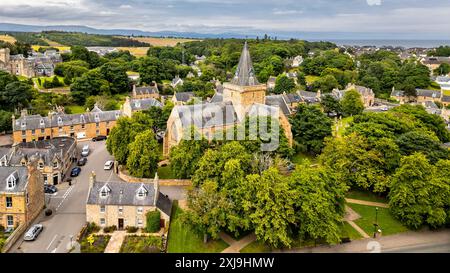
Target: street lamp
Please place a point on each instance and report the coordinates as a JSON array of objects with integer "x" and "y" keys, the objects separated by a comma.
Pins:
[{"x": 375, "y": 225}]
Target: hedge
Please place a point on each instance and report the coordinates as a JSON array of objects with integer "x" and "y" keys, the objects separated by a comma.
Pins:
[{"x": 153, "y": 218}]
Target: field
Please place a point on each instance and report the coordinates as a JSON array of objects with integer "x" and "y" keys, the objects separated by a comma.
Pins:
[
  {"x": 60, "y": 48},
  {"x": 7, "y": 38},
  {"x": 162, "y": 41},
  {"x": 136, "y": 51}
]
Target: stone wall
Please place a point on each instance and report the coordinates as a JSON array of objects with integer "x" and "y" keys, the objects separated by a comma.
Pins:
[{"x": 122, "y": 173}]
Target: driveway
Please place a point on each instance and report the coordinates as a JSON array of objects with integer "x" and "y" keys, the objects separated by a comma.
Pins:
[{"x": 69, "y": 205}]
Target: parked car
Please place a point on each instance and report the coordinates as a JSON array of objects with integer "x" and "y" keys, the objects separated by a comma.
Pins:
[
  {"x": 33, "y": 232},
  {"x": 99, "y": 138},
  {"x": 75, "y": 171},
  {"x": 85, "y": 150},
  {"x": 108, "y": 165},
  {"x": 50, "y": 189},
  {"x": 82, "y": 161}
]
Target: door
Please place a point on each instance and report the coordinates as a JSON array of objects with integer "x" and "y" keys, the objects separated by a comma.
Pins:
[
  {"x": 120, "y": 225},
  {"x": 55, "y": 179},
  {"x": 107, "y": 132}
]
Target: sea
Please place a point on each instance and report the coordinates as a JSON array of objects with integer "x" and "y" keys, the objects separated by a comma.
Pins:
[{"x": 394, "y": 43}]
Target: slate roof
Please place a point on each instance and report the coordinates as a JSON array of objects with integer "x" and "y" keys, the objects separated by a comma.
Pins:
[
  {"x": 184, "y": 96},
  {"x": 125, "y": 194},
  {"x": 428, "y": 93},
  {"x": 436, "y": 60},
  {"x": 21, "y": 174},
  {"x": 33, "y": 122},
  {"x": 445, "y": 98},
  {"x": 144, "y": 104},
  {"x": 245, "y": 74},
  {"x": 397, "y": 93},
  {"x": 278, "y": 100},
  {"x": 145, "y": 90},
  {"x": 207, "y": 115},
  {"x": 292, "y": 98},
  {"x": 218, "y": 97}
]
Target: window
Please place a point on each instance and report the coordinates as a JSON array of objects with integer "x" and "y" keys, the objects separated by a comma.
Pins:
[
  {"x": 33, "y": 132},
  {"x": 97, "y": 132},
  {"x": 71, "y": 127},
  {"x": 24, "y": 133},
  {"x": 9, "y": 202},
  {"x": 27, "y": 198},
  {"x": 102, "y": 209},
  {"x": 11, "y": 181},
  {"x": 97, "y": 124},
  {"x": 140, "y": 210},
  {"x": 55, "y": 164},
  {"x": 41, "y": 165},
  {"x": 107, "y": 123},
  {"x": 120, "y": 210},
  {"x": 42, "y": 131},
  {"x": 139, "y": 222},
  {"x": 83, "y": 126},
  {"x": 45, "y": 179},
  {"x": 102, "y": 221},
  {"x": 10, "y": 221}
]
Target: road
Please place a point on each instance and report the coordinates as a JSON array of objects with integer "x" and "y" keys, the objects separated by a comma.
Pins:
[
  {"x": 69, "y": 204},
  {"x": 408, "y": 242}
]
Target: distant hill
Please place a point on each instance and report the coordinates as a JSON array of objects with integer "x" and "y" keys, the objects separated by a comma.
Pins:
[{"x": 6, "y": 27}]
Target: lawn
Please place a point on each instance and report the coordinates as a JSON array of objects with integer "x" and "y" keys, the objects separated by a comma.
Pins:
[
  {"x": 347, "y": 231},
  {"x": 183, "y": 239},
  {"x": 43, "y": 79},
  {"x": 446, "y": 92},
  {"x": 310, "y": 79},
  {"x": 299, "y": 158},
  {"x": 366, "y": 196},
  {"x": 75, "y": 109},
  {"x": 386, "y": 221},
  {"x": 7, "y": 38},
  {"x": 141, "y": 244},
  {"x": 166, "y": 172}
]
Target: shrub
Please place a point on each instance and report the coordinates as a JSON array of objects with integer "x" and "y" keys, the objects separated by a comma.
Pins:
[
  {"x": 2, "y": 229},
  {"x": 153, "y": 218},
  {"x": 92, "y": 228},
  {"x": 131, "y": 229},
  {"x": 109, "y": 229}
]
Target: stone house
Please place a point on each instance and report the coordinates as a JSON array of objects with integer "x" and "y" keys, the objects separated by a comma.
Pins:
[
  {"x": 271, "y": 83},
  {"x": 29, "y": 128},
  {"x": 125, "y": 204},
  {"x": 424, "y": 95},
  {"x": 38, "y": 64},
  {"x": 134, "y": 105},
  {"x": 54, "y": 157},
  {"x": 145, "y": 92},
  {"x": 176, "y": 82},
  {"x": 182, "y": 98},
  {"x": 21, "y": 195}
]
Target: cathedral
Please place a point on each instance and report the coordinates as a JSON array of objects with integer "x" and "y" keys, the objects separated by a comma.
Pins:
[{"x": 244, "y": 96}]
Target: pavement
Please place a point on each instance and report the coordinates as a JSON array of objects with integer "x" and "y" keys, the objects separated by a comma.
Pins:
[
  {"x": 424, "y": 241},
  {"x": 234, "y": 245},
  {"x": 69, "y": 204}
]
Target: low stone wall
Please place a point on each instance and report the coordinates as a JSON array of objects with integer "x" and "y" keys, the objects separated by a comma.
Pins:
[
  {"x": 122, "y": 173},
  {"x": 13, "y": 238}
]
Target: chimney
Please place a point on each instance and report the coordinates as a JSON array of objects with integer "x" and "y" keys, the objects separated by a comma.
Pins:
[
  {"x": 156, "y": 187},
  {"x": 23, "y": 113},
  {"x": 134, "y": 90},
  {"x": 92, "y": 178}
]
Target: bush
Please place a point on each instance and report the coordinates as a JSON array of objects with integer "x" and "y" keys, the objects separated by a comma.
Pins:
[
  {"x": 92, "y": 228},
  {"x": 153, "y": 218},
  {"x": 131, "y": 229},
  {"x": 109, "y": 229},
  {"x": 2, "y": 229}
]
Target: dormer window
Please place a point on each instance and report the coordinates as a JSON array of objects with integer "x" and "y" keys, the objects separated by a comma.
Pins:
[
  {"x": 137, "y": 104},
  {"x": 11, "y": 181},
  {"x": 42, "y": 123},
  {"x": 141, "y": 192},
  {"x": 60, "y": 121},
  {"x": 117, "y": 115},
  {"x": 24, "y": 124},
  {"x": 104, "y": 191},
  {"x": 41, "y": 165},
  {"x": 82, "y": 119},
  {"x": 3, "y": 162},
  {"x": 97, "y": 117}
]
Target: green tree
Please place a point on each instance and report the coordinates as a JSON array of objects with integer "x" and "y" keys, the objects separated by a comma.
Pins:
[
  {"x": 283, "y": 84},
  {"x": 417, "y": 196},
  {"x": 351, "y": 103},
  {"x": 115, "y": 74},
  {"x": 269, "y": 202},
  {"x": 16, "y": 95},
  {"x": 5, "y": 121},
  {"x": 90, "y": 84},
  {"x": 443, "y": 69},
  {"x": 208, "y": 209},
  {"x": 144, "y": 155},
  {"x": 185, "y": 156},
  {"x": 419, "y": 141},
  {"x": 326, "y": 84},
  {"x": 318, "y": 186},
  {"x": 152, "y": 221},
  {"x": 331, "y": 105},
  {"x": 310, "y": 127}
]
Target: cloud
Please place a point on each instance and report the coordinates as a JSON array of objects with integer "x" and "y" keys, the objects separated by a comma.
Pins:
[
  {"x": 374, "y": 2},
  {"x": 286, "y": 12},
  {"x": 125, "y": 7}
]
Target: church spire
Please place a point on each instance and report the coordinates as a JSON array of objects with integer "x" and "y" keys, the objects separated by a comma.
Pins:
[{"x": 245, "y": 74}]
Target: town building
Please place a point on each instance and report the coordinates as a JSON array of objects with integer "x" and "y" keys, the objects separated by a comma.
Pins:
[
  {"x": 21, "y": 195},
  {"x": 54, "y": 157},
  {"x": 145, "y": 92},
  {"x": 132, "y": 106},
  {"x": 182, "y": 98},
  {"x": 434, "y": 62},
  {"x": 177, "y": 81},
  {"x": 36, "y": 65},
  {"x": 271, "y": 83},
  {"x": 94, "y": 123},
  {"x": 243, "y": 97},
  {"x": 125, "y": 204}
]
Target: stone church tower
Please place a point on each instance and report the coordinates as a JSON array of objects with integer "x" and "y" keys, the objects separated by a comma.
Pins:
[{"x": 244, "y": 89}]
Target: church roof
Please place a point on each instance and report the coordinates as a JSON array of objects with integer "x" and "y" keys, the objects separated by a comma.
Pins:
[{"x": 245, "y": 74}]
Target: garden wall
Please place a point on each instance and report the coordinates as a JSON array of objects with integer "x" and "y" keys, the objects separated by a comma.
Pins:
[{"x": 122, "y": 173}]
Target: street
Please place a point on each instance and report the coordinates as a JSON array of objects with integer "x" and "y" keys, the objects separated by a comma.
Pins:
[{"x": 69, "y": 204}]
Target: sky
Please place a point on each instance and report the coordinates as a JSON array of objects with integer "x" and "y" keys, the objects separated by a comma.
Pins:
[{"x": 373, "y": 18}]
